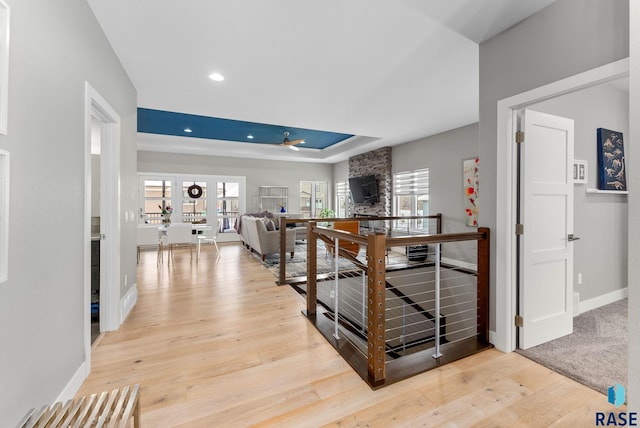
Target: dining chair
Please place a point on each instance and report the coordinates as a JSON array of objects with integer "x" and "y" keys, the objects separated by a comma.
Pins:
[
  {"x": 179, "y": 235},
  {"x": 209, "y": 235},
  {"x": 351, "y": 247},
  {"x": 148, "y": 236}
]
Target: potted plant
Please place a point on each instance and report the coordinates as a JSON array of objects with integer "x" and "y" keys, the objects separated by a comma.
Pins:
[
  {"x": 326, "y": 213},
  {"x": 166, "y": 214}
]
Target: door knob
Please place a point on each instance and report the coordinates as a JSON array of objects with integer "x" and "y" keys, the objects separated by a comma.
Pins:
[{"x": 572, "y": 238}]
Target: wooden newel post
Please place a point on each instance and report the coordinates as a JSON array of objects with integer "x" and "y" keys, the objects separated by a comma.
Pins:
[
  {"x": 312, "y": 269},
  {"x": 376, "y": 274},
  {"x": 483, "y": 284}
]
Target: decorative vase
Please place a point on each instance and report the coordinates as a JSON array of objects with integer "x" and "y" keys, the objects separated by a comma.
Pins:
[
  {"x": 166, "y": 220},
  {"x": 282, "y": 209}
]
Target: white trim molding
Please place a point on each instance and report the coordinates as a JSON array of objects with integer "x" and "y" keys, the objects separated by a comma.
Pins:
[
  {"x": 73, "y": 386},
  {"x": 603, "y": 300},
  {"x": 128, "y": 302}
]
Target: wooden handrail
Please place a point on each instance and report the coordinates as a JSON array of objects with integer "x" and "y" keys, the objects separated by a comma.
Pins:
[
  {"x": 433, "y": 239},
  {"x": 340, "y": 234}
]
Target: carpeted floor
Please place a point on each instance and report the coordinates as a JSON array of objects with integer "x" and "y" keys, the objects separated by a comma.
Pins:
[{"x": 595, "y": 354}]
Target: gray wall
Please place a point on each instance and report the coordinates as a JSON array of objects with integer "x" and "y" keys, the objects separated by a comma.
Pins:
[
  {"x": 633, "y": 154},
  {"x": 443, "y": 155},
  {"x": 341, "y": 171},
  {"x": 55, "y": 48},
  {"x": 257, "y": 172},
  {"x": 566, "y": 38},
  {"x": 599, "y": 220}
]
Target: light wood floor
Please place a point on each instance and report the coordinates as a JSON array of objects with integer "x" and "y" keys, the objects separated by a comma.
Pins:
[{"x": 217, "y": 343}]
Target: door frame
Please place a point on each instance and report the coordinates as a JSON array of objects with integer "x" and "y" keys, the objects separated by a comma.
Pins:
[
  {"x": 96, "y": 106},
  {"x": 504, "y": 336}
]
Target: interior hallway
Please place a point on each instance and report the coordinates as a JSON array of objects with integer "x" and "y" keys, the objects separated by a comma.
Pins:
[{"x": 217, "y": 343}]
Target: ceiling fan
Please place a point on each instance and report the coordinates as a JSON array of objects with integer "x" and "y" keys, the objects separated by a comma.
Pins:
[{"x": 291, "y": 143}]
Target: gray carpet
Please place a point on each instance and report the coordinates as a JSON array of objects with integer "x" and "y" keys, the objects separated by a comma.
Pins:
[{"x": 595, "y": 354}]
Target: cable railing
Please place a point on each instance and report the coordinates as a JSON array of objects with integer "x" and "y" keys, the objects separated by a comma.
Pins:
[
  {"x": 403, "y": 225},
  {"x": 389, "y": 318}
]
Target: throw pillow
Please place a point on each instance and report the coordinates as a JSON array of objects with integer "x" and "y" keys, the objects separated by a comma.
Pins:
[{"x": 270, "y": 225}]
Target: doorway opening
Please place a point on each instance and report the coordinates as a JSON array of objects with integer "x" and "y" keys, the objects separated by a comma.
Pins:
[
  {"x": 594, "y": 99},
  {"x": 102, "y": 226},
  {"x": 96, "y": 173},
  {"x": 504, "y": 337}
]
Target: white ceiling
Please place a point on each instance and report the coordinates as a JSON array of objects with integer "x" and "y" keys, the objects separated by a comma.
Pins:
[{"x": 387, "y": 71}]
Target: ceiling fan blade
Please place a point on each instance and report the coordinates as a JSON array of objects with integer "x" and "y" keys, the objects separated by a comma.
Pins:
[{"x": 292, "y": 142}]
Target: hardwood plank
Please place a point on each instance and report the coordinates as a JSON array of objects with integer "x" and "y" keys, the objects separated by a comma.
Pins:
[{"x": 218, "y": 343}]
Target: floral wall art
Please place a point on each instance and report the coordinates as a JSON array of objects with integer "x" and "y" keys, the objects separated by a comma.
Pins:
[{"x": 471, "y": 183}]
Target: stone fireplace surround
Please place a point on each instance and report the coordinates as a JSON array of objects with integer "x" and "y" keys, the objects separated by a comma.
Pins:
[{"x": 378, "y": 163}]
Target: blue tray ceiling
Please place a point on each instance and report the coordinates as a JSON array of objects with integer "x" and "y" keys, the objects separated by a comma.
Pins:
[{"x": 214, "y": 128}]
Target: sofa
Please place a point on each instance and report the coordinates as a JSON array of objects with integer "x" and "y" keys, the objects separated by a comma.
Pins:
[
  {"x": 300, "y": 228},
  {"x": 255, "y": 236}
]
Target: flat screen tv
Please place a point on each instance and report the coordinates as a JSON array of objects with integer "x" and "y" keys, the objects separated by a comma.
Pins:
[{"x": 364, "y": 190}]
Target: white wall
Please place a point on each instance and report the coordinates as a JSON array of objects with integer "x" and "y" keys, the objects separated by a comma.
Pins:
[
  {"x": 566, "y": 38},
  {"x": 258, "y": 172},
  {"x": 599, "y": 220},
  {"x": 633, "y": 156},
  {"x": 55, "y": 48}
]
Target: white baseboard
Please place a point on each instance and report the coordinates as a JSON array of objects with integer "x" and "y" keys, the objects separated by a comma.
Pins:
[
  {"x": 492, "y": 337},
  {"x": 128, "y": 302},
  {"x": 74, "y": 384},
  {"x": 605, "y": 299}
]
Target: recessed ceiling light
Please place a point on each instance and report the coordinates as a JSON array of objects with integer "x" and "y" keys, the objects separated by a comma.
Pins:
[
  {"x": 217, "y": 77},
  {"x": 250, "y": 137},
  {"x": 294, "y": 148},
  {"x": 188, "y": 130}
]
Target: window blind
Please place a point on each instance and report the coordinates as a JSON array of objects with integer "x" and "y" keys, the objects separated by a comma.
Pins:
[{"x": 411, "y": 182}]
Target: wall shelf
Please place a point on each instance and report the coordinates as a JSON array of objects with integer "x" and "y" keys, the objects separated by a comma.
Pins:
[
  {"x": 273, "y": 198},
  {"x": 608, "y": 192}
]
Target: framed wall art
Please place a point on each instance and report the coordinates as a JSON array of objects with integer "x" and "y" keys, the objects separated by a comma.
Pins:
[
  {"x": 471, "y": 182},
  {"x": 611, "y": 161}
]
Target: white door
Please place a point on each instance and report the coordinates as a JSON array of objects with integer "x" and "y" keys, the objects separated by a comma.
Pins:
[{"x": 546, "y": 212}]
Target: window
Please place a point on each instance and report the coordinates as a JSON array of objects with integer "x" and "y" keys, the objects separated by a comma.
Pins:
[
  {"x": 343, "y": 204},
  {"x": 411, "y": 198},
  {"x": 156, "y": 196},
  {"x": 227, "y": 204},
  {"x": 194, "y": 210},
  {"x": 313, "y": 191},
  {"x": 224, "y": 193}
]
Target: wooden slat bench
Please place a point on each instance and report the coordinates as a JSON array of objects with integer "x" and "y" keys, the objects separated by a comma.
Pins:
[{"x": 114, "y": 409}]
